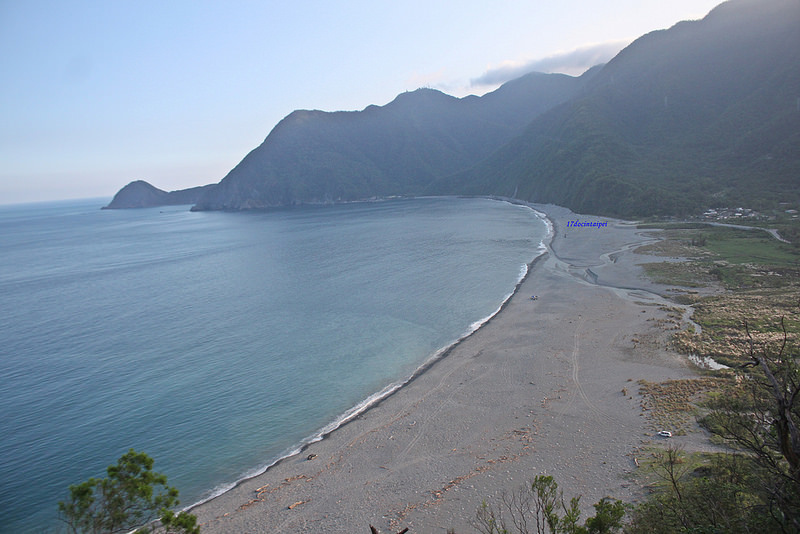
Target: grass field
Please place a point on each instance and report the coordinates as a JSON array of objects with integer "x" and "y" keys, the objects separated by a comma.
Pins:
[
  {"x": 750, "y": 308},
  {"x": 750, "y": 246},
  {"x": 758, "y": 282}
]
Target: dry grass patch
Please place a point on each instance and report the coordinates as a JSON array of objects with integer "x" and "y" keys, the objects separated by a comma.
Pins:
[
  {"x": 723, "y": 317},
  {"x": 674, "y": 245},
  {"x": 760, "y": 274},
  {"x": 683, "y": 273},
  {"x": 672, "y": 405}
]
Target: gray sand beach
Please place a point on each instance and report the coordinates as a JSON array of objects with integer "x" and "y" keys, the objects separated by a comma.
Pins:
[{"x": 536, "y": 390}]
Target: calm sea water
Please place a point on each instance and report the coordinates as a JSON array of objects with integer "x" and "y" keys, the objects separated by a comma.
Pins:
[{"x": 219, "y": 342}]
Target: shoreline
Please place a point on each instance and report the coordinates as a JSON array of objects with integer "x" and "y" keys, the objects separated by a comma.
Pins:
[
  {"x": 416, "y": 474},
  {"x": 380, "y": 396}
]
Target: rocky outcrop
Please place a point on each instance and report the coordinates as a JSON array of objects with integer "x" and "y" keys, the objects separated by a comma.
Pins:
[{"x": 140, "y": 194}]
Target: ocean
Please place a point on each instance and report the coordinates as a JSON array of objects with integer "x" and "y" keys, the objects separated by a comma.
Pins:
[{"x": 220, "y": 342}]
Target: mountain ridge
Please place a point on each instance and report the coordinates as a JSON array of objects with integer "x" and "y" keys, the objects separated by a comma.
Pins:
[
  {"x": 396, "y": 149},
  {"x": 701, "y": 114},
  {"x": 704, "y": 113}
]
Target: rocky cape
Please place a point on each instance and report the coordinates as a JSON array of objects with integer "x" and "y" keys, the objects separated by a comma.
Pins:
[{"x": 140, "y": 194}]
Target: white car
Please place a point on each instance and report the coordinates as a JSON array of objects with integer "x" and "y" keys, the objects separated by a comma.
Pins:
[{"x": 665, "y": 434}]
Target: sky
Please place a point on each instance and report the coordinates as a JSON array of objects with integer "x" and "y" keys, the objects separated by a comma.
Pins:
[{"x": 96, "y": 94}]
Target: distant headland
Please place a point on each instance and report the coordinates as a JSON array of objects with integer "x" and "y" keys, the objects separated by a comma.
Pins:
[{"x": 140, "y": 194}]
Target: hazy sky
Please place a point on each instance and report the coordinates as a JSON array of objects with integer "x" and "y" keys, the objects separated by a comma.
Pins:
[{"x": 96, "y": 94}]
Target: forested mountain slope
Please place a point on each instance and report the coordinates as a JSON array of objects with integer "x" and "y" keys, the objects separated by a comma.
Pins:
[
  {"x": 704, "y": 114},
  {"x": 396, "y": 149}
]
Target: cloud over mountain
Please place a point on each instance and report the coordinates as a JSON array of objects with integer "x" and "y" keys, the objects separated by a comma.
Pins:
[{"x": 573, "y": 62}]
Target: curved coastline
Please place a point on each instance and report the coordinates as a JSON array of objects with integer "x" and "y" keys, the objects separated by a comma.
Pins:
[
  {"x": 382, "y": 395},
  {"x": 535, "y": 389}
]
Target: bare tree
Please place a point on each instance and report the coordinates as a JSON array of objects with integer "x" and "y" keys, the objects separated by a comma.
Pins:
[
  {"x": 760, "y": 418},
  {"x": 539, "y": 507},
  {"x": 783, "y": 380}
]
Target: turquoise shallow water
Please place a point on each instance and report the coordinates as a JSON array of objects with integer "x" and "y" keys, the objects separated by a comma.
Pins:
[{"x": 219, "y": 342}]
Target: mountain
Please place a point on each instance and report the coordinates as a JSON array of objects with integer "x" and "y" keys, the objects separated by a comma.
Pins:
[
  {"x": 140, "y": 194},
  {"x": 396, "y": 149},
  {"x": 704, "y": 114}
]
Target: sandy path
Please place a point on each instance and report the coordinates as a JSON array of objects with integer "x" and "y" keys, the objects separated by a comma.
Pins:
[{"x": 537, "y": 390}]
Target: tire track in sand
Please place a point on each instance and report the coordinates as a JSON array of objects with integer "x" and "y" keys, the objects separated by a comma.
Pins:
[
  {"x": 434, "y": 409},
  {"x": 576, "y": 380}
]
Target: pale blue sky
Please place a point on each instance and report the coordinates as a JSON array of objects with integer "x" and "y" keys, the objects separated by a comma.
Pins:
[{"x": 95, "y": 94}]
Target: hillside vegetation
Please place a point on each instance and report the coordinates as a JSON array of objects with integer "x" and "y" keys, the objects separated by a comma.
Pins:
[
  {"x": 704, "y": 114},
  {"x": 396, "y": 149}
]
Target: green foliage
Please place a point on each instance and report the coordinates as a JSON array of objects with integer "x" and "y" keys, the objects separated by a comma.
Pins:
[
  {"x": 131, "y": 497},
  {"x": 607, "y": 518},
  {"x": 719, "y": 496},
  {"x": 181, "y": 523},
  {"x": 540, "y": 507},
  {"x": 760, "y": 416},
  {"x": 755, "y": 488}
]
